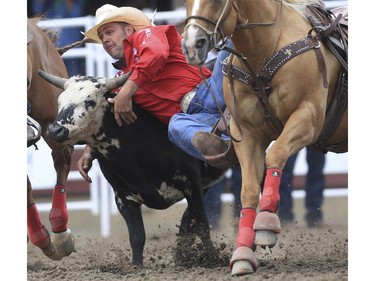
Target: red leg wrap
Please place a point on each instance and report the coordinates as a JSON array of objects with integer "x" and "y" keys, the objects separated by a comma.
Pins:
[
  {"x": 37, "y": 232},
  {"x": 246, "y": 234},
  {"x": 270, "y": 195},
  {"x": 58, "y": 215}
]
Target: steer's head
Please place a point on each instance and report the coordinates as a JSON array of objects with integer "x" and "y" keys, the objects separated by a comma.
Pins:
[{"x": 81, "y": 107}]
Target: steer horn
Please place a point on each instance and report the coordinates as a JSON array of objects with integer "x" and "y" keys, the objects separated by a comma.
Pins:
[
  {"x": 54, "y": 80},
  {"x": 114, "y": 83}
]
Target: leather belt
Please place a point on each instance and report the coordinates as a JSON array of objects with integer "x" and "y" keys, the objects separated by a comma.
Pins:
[{"x": 185, "y": 101}]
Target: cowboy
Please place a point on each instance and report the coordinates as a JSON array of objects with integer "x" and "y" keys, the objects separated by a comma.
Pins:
[{"x": 162, "y": 82}]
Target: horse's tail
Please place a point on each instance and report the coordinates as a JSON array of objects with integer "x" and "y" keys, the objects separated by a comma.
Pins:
[{"x": 62, "y": 50}]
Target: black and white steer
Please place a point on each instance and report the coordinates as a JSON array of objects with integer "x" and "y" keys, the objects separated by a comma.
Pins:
[{"x": 139, "y": 161}]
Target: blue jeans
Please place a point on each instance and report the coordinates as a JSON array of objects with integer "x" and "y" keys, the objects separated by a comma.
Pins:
[
  {"x": 314, "y": 186},
  {"x": 202, "y": 113}
]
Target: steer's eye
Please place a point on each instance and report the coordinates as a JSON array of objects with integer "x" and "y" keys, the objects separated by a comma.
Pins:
[{"x": 90, "y": 103}]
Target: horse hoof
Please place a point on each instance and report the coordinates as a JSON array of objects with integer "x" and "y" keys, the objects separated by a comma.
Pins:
[
  {"x": 242, "y": 267},
  {"x": 50, "y": 252},
  {"x": 62, "y": 245},
  {"x": 243, "y": 261},
  {"x": 64, "y": 242},
  {"x": 265, "y": 238}
]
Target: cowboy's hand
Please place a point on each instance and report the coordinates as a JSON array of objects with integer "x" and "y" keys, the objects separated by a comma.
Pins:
[
  {"x": 123, "y": 109},
  {"x": 85, "y": 163}
]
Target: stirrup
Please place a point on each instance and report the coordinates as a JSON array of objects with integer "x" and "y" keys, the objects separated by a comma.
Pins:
[{"x": 34, "y": 131}]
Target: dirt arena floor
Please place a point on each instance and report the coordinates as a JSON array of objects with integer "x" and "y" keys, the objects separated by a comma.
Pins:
[{"x": 301, "y": 253}]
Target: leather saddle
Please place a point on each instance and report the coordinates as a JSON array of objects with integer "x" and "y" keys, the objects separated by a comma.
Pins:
[{"x": 331, "y": 27}]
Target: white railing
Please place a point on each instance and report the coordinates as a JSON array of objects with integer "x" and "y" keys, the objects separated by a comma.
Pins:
[{"x": 98, "y": 64}]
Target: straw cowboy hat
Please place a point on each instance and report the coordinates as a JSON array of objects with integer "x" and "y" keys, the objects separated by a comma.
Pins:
[{"x": 110, "y": 13}]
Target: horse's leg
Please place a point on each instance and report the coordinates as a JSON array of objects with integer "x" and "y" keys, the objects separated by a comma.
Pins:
[
  {"x": 58, "y": 216},
  {"x": 243, "y": 260},
  {"x": 299, "y": 131},
  {"x": 62, "y": 237},
  {"x": 37, "y": 233},
  {"x": 251, "y": 157},
  {"x": 267, "y": 224}
]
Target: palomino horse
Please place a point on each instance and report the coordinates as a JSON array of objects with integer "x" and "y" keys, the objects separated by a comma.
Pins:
[
  {"x": 42, "y": 98},
  {"x": 281, "y": 88}
]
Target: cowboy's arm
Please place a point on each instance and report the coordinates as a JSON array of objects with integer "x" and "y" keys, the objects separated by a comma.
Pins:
[
  {"x": 85, "y": 163},
  {"x": 123, "y": 103}
]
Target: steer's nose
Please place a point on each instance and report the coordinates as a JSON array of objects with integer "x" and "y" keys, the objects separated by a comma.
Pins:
[{"x": 57, "y": 132}]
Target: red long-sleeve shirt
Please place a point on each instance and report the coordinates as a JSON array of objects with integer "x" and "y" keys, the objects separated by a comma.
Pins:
[{"x": 160, "y": 69}]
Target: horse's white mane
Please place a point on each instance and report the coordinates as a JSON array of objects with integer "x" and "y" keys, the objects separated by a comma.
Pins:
[
  {"x": 304, "y": 2},
  {"x": 299, "y": 5}
]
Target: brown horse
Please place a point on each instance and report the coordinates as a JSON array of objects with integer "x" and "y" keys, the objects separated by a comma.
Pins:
[
  {"x": 42, "y": 99},
  {"x": 284, "y": 82}
]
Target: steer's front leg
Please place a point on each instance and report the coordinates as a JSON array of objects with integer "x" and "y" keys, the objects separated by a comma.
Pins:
[{"x": 131, "y": 212}]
